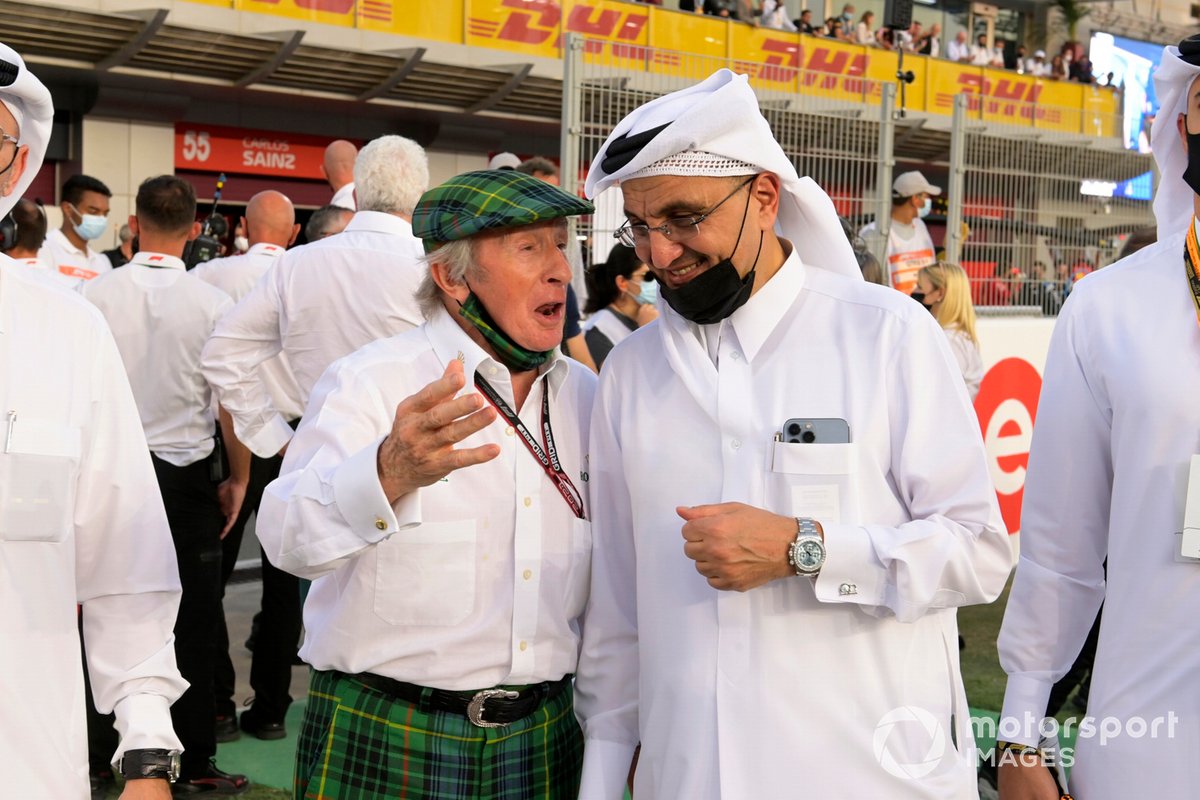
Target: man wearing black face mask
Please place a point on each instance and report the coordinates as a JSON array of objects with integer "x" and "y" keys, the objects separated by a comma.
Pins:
[
  {"x": 732, "y": 555},
  {"x": 1114, "y": 475}
]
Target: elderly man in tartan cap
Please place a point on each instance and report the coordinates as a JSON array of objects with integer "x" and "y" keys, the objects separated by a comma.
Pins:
[{"x": 436, "y": 494}]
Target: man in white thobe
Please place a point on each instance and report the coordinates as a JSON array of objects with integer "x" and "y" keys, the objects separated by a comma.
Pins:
[
  {"x": 1108, "y": 479},
  {"x": 743, "y": 675},
  {"x": 81, "y": 522}
]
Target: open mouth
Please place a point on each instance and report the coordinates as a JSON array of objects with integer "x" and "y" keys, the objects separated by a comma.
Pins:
[
  {"x": 678, "y": 276},
  {"x": 551, "y": 312}
]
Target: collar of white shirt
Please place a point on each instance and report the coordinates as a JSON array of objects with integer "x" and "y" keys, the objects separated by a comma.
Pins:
[
  {"x": 754, "y": 321},
  {"x": 61, "y": 239},
  {"x": 157, "y": 260},
  {"x": 379, "y": 222},
  {"x": 265, "y": 249},
  {"x": 451, "y": 342}
]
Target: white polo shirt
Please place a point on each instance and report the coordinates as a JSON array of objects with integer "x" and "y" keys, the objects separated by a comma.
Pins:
[{"x": 59, "y": 255}]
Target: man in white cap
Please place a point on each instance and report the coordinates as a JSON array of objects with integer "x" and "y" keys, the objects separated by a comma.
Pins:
[
  {"x": 1037, "y": 66},
  {"x": 790, "y": 492},
  {"x": 1113, "y": 475},
  {"x": 504, "y": 161},
  {"x": 909, "y": 245},
  {"x": 81, "y": 522}
]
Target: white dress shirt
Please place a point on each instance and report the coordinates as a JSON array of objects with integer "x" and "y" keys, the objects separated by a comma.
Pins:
[
  {"x": 160, "y": 317},
  {"x": 95, "y": 534},
  {"x": 344, "y": 197},
  {"x": 236, "y": 276},
  {"x": 957, "y": 51},
  {"x": 59, "y": 255},
  {"x": 318, "y": 303},
  {"x": 780, "y": 691},
  {"x": 1117, "y": 426},
  {"x": 475, "y": 581}
]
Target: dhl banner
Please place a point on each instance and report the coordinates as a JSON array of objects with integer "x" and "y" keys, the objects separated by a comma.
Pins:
[{"x": 645, "y": 37}]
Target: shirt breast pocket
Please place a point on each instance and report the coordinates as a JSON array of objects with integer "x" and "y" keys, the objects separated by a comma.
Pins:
[
  {"x": 38, "y": 474},
  {"x": 814, "y": 480},
  {"x": 426, "y": 575}
]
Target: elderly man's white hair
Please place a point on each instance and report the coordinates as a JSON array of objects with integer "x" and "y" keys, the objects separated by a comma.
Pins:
[
  {"x": 29, "y": 102},
  {"x": 390, "y": 175},
  {"x": 715, "y": 129}
]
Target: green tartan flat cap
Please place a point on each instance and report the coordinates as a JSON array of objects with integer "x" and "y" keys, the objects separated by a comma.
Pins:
[{"x": 488, "y": 199}]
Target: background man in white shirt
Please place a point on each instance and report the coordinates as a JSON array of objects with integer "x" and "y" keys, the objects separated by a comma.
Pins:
[
  {"x": 1113, "y": 477},
  {"x": 326, "y": 221},
  {"x": 909, "y": 245},
  {"x": 67, "y": 251},
  {"x": 338, "y": 169},
  {"x": 958, "y": 49},
  {"x": 762, "y": 608},
  {"x": 270, "y": 225},
  {"x": 160, "y": 317},
  {"x": 448, "y": 581},
  {"x": 326, "y": 299},
  {"x": 94, "y": 532}
]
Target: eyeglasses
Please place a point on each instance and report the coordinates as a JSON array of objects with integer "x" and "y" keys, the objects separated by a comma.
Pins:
[
  {"x": 5, "y": 137},
  {"x": 680, "y": 229}
]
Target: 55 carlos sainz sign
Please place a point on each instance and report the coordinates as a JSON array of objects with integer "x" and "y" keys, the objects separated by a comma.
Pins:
[{"x": 213, "y": 148}]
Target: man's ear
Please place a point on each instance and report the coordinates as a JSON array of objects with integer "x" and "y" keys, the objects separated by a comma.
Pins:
[
  {"x": 17, "y": 170},
  {"x": 1181, "y": 124},
  {"x": 133, "y": 225},
  {"x": 439, "y": 273},
  {"x": 194, "y": 232},
  {"x": 766, "y": 188},
  {"x": 295, "y": 233}
]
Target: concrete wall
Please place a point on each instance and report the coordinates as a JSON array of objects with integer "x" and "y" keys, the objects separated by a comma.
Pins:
[{"x": 122, "y": 154}]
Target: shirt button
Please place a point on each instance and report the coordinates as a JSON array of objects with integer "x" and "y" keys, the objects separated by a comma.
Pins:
[
  {"x": 524, "y": 645},
  {"x": 527, "y": 574},
  {"x": 509, "y": 431},
  {"x": 735, "y": 444},
  {"x": 735, "y": 355},
  {"x": 528, "y": 502},
  {"x": 380, "y": 523},
  {"x": 492, "y": 370}
]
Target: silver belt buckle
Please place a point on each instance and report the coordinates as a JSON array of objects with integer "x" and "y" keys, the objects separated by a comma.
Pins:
[{"x": 475, "y": 707}]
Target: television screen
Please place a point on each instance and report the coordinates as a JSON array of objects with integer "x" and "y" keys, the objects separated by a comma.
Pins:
[{"x": 1131, "y": 64}]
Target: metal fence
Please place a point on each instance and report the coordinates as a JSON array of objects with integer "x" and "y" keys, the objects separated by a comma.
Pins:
[{"x": 1018, "y": 212}]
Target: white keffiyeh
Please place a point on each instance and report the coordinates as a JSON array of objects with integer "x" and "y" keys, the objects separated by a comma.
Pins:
[
  {"x": 720, "y": 118},
  {"x": 1173, "y": 202},
  {"x": 29, "y": 101}
]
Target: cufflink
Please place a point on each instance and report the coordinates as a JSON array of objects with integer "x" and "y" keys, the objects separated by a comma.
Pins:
[
  {"x": 847, "y": 589},
  {"x": 380, "y": 523}
]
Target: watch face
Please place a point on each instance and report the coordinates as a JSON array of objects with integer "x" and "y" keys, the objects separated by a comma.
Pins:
[{"x": 809, "y": 555}]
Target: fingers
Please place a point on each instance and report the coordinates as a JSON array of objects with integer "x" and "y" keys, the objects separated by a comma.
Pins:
[
  {"x": 700, "y": 512},
  {"x": 229, "y": 520},
  {"x": 447, "y": 411},
  {"x": 439, "y": 391},
  {"x": 468, "y": 426}
]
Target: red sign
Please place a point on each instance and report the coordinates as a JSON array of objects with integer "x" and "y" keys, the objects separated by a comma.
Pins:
[
  {"x": 1007, "y": 406},
  {"x": 211, "y": 148}
]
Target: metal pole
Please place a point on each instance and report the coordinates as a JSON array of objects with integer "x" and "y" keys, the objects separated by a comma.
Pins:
[
  {"x": 571, "y": 126},
  {"x": 956, "y": 189},
  {"x": 877, "y": 244}
]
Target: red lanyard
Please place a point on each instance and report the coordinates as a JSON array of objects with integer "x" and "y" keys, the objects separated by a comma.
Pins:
[{"x": 547, "y": 457}]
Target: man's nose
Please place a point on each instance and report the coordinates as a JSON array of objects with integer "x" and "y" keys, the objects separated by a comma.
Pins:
[{"x": 663, "y": 251}]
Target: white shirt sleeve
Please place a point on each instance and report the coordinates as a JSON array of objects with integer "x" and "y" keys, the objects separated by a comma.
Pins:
[
  {"x": 606, "y": 684},
  {"x": 127, "y": 578},
  {"x": 955, "y": 550},
  {"x": 244, "y": 338},
  {"x": 1064, "y": 527},
  {"x": 970, "y": 362},
  {"x": 328, "y": 503}
]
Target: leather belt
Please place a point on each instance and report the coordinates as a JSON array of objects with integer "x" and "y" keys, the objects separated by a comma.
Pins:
[{"x": 488, "y": 708}]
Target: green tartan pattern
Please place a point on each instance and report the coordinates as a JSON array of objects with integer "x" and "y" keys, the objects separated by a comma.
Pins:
[
  {"x": 357, "y": 743},
  {"x": 489, "y": 199}
]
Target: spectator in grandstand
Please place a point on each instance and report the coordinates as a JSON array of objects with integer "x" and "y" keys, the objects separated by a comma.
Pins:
[
  {"x": 998, "y": 60},
  {"x": 721, "y": 8},
  {"x": 1111, "y": 477},
  {"x": 541, "y": 168},
  {"x": 864, "y": 32},
  {"x": 326, "y": 221},
  {"x": 958, "y": 49},
  {"x": 885, "y": 38},
  {"x": 1140, "y": 238},
  {"x": 981, "y": 54},
  {"x": 910, "y": 39},
  {"x": 338, "y": 169},
  {"x": 804, "y": 22},
  {"x": 621, "y": 298},
  {"x": 931, "y": 43},
  {"x": 1037, "y": 66},
  {"x": 943, "y": 288},
  {"x": 835, "y": 28},
  {"x": 1017, "y": 60},
  {"x": 1058, "y": 69},
  {"x": 774, "y": 15},
  {"x": 909, "y": 245},
  {"x": 765, "y": 317},
  {"x": 847, "y": 16},
  {"x": 1081, "y": 70}
]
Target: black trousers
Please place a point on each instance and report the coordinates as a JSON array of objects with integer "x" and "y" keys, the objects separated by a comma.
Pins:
[
  {"x": 194, "y": 514},
  {"x": 278, "y": 620}
]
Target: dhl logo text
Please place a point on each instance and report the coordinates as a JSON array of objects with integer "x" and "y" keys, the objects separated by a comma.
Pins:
[{"x": 540, "y": 22}]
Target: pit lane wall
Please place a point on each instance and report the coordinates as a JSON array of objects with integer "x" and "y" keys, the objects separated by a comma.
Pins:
[
  {"x": 648, "y": 38},
  {"x": 1014, "y": 358}
]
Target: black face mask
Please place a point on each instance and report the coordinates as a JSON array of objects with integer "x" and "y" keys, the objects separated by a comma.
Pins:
[
  {"x": 1191, "y": 175},
  {"x": 716, "y": 293},
  {"x": 920, "y": 298}
]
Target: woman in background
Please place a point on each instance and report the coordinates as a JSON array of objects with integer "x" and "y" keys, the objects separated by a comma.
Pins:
[
  {"x": 621, "y": 297},
  {"x": 943, "y": 289}
]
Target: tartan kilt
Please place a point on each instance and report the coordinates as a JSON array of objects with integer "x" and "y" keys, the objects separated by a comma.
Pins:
[{"x": 356, "y": 742}]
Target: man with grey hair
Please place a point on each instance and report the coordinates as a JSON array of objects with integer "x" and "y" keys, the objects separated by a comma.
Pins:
[
  {"x": 326, "y": 299},
  {"x": 326, "y": 221},
  {"x": 448, "y": 581}
]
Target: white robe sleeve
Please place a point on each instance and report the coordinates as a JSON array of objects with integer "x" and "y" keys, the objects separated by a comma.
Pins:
[
  {"x": 1064, "y": 528},
  {"x": 328, "y": 504},
  {"x": 955, "y": 550},
  {"x": 606, "y": 682},
  {"x": 244, "y": 338},
  {"x": 126, "y": 575}
]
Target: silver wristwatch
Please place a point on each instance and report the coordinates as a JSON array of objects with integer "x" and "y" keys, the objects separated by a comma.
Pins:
[{"x": 807, "y": 553}]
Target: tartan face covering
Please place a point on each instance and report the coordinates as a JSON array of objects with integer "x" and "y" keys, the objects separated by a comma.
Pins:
[{"x": 511, "y": 354}]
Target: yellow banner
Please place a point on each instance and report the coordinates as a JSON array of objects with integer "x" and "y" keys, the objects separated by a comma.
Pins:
[
  {"x": 391, "y": 16},
  {"x": 327, "y": 12}
]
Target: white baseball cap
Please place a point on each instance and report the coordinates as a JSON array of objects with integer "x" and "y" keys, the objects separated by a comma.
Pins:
[
  {"x": 504, "y": 161},
  {"x": 913, "y": 183},
  {"x": 1039, "y": 53}
]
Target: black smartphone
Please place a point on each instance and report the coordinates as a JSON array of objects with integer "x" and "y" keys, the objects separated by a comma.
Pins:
[{"x": 823, "y": 430}]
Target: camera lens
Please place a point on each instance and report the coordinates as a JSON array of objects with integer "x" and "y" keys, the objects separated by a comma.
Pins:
[
  {"x": 793, "y": 429},
  {"x": 809, "y": 437}
]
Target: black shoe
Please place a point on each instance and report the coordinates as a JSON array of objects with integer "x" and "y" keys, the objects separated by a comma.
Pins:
[
  {"x": 102, "y": 781},
  {"x": 210, "y": 781},
  {"x": 261, "y": 729},
  {"x": 227, "y": 728}
]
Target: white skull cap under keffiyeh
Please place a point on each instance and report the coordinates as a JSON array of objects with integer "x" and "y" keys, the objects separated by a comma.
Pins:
[
  {"x": 720, "y": 118},
  {"x": 29, "y": 101},
  {"x": 1173, "y": 206}
]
